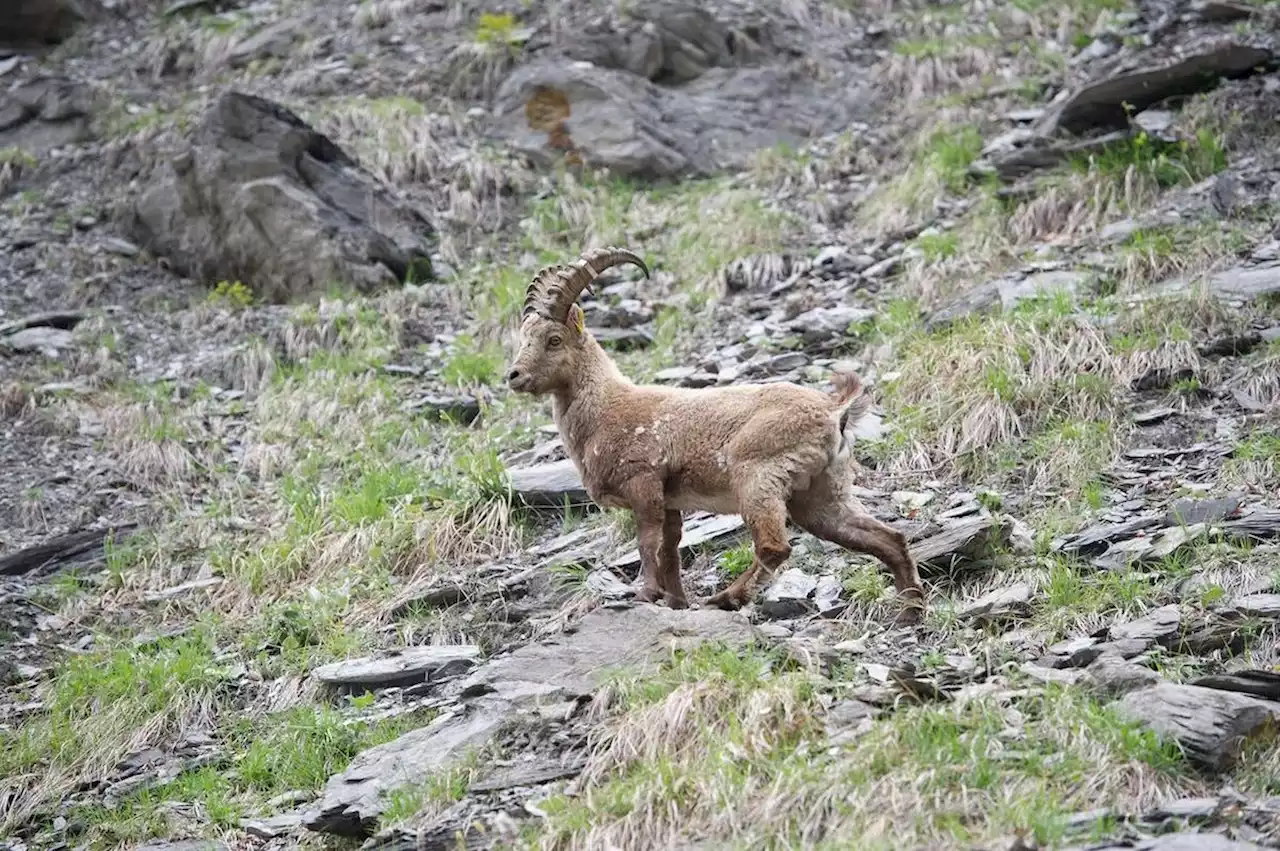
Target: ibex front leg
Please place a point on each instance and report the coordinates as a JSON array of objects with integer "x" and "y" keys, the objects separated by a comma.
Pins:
[
  {"x": 672, "y": 587},
  {"x": 647, "y": 508}
]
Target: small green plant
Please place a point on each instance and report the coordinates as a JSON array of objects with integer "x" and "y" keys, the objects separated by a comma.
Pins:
[
  {"x": 920, "y": 48},
  {"x": 937, "y": 246},
  {"x": 1095, "y": 495},
  {"x": 569, "y": 574},
  {"x": 403, "y": 804},
  {"x": 1081, "y": 40},
  {"x": 735, "y": 562},
  {"x": 1211, "y": 594},
  {"x": 231, "y": 294},
  {"x": 933, "y": 660},
  {"x": 1260, "y": 447},
  {"x": 865, "y": 583},
  {"x": 363, "y": 700},
  {"x": 1257, "y": 458},
  {"x": 497, "y": 29},
  {"x": 13, "y": 156},
  {"x": 395, "y": 106},
  {"x": 443, "y": 788},
  {"x": 1152, "y": 253},
  {"x": 990, "y": 500},
  {"x": 950, "y": 152},
  {"x": 1168, "y": 164}
]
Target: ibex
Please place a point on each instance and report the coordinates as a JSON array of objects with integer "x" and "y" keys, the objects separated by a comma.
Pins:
[{"x": 767, "y": 452}]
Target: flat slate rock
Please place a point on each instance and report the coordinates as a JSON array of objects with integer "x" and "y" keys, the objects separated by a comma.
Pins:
[
  {"x": 1150, "y": 549},
  {"x": 63, "y": 319},
  {"x": 1259, "y": 605},
  {"x": 571, "y": 665},
  {"x": 1184, "y": 841},
  {"x": 1151, "y": 416},
  {"x": 1106, "y": 103},
  {"x": 1013, "y": 601},
  {"x": 78, "y": 546},
  {"x": 565, "y": 667},
  {"x": 534, "y": 775},
  {"x": 351, "y": 801},
  {"x": 553, "y": 484},
  {"x": 789, "y": 595},
  {"x": 39, "y": 339},
  {"x": 1210, "y": 725},
  {"x": 958, "y": 542},
  {"x": 1083, "y": 651},
  {"x": 1264, "y": 684},
  {"x": 1113, "y": 676},
  {"x": 1095, "y": 540},
  {"x": 1247, "y": 283},
  {"x": 476, "y": 836},
  {"x": 273, "y": 827},
  {"x": 1260, "y": 524},
  {"x": 1186, "y": 808},
  {"x": 699, "y": 529},
  {"x": 605, "y": 584},
  {"x": 409, "y": 666},
  {"x": 1188, "y": 512},
  {"x": 1071, "y": 653},
  {"x": 1158, "y": 625}
]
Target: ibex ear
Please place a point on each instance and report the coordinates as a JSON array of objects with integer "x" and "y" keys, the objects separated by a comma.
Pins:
[{"x": 577, "y": 319}]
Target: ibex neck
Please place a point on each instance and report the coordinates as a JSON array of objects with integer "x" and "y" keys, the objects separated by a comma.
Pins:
[{"x": 578, "y": 406}]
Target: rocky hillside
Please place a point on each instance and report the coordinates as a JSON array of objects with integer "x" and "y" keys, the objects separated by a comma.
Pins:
[{"x": 284, "y": 564}]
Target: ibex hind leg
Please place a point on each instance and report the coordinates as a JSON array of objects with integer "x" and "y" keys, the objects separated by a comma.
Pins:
[
  {"x": 825, "y": 513},
  {"x": 767, "y": 522}
]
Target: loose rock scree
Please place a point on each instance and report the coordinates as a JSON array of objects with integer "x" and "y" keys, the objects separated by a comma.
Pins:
[{"x": 768, "y": 452}]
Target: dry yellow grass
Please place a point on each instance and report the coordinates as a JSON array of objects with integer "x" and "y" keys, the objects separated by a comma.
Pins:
[{"x": 733, "y": 749}]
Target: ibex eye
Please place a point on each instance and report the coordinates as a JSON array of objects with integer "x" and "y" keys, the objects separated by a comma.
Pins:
[{"x": 554, "y": 341}]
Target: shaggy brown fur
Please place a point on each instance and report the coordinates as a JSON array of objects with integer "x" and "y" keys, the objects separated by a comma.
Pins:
[{"x": 768, "y": 452}]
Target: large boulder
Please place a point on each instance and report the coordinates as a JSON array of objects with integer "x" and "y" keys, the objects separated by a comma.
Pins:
[
  {"x": 558, "y": 108},
  {"x": 668, "y": 43},
  {"x": 44, "y": 113},
  {"x": 35, "y": 23},
  {"x": 669, "y": 88},
  {"x": 260, "y": 197}
]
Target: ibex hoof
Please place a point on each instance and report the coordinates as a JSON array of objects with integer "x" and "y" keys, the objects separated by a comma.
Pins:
[
  {"x": 649, "y": 595},
  {"x": 725, "y": 600},
  {"x": 911, "y": 614},
  {"x": 680, "y": 602}
]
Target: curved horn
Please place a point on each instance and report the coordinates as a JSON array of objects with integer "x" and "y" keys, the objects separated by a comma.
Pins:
[
  {"x": 537, "y": 298},
  {"x": 554, "y": 289}
]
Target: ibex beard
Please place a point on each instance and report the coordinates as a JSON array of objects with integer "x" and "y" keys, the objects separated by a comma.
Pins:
[{"x": 767, "y": 452}]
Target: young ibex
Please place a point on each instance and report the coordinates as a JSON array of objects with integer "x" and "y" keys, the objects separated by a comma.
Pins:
[{"x": 764, "y": 451}]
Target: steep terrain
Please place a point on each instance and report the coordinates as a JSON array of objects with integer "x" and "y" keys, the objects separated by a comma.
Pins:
[{"x": 283, "y": 563}]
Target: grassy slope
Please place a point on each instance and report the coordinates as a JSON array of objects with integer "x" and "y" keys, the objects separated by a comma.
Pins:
[{"x": 318, "y": 501}]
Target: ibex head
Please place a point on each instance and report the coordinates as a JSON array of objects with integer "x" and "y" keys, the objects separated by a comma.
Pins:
[{"x": 553, "y": 331}]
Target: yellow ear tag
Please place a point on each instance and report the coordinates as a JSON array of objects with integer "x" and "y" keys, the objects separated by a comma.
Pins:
[{"x": 579, "y": 319}]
